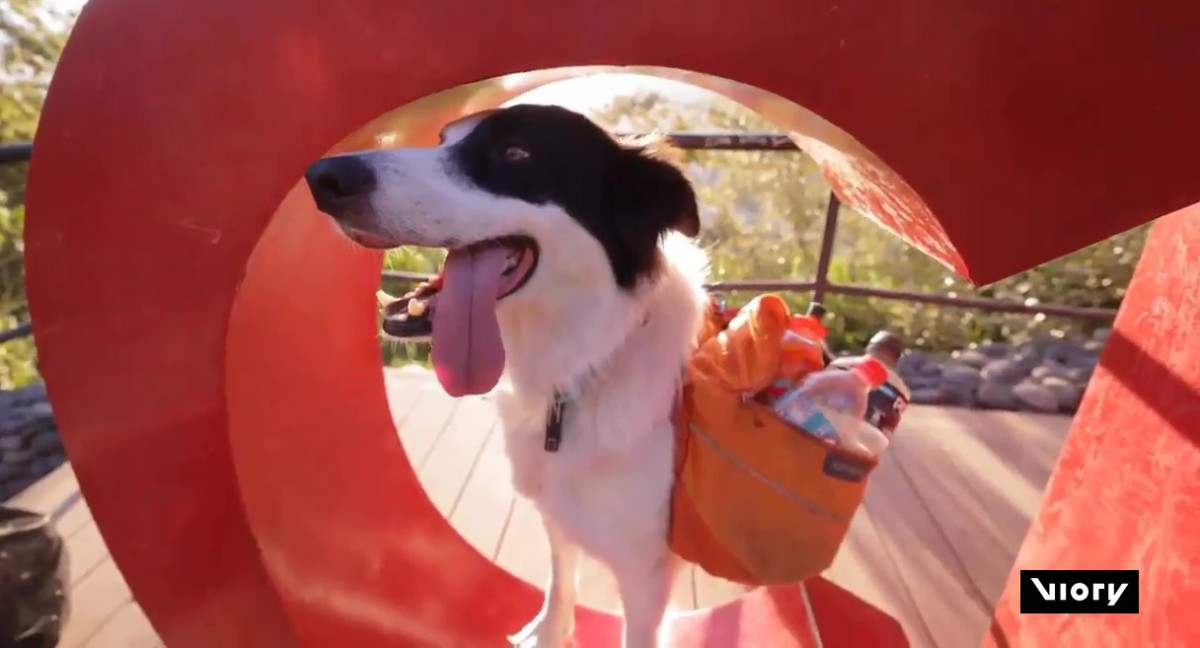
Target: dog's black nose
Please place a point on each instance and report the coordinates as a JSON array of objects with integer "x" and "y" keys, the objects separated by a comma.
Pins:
[{"x": 339, "y": 182}]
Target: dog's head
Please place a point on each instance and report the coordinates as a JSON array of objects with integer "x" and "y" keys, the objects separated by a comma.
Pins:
[{"x": 538, "y": 207}]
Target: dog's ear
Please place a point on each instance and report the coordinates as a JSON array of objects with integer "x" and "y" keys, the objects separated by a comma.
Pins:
[{"x": 651, "y": 192}]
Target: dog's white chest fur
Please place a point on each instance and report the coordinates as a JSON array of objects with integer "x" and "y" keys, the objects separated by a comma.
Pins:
[{"x": 608, "y": 486}]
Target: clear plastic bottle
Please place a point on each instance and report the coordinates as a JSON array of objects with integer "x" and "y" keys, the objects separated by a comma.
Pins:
[{"x": 830, "y": 405}]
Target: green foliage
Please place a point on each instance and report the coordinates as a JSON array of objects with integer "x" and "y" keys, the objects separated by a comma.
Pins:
[
  {"x": 763, "y": 215},
  {"x": 32, "y": 33}
]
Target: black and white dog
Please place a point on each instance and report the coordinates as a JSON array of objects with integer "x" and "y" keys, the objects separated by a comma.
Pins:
[{"x": 570, "y": 273}]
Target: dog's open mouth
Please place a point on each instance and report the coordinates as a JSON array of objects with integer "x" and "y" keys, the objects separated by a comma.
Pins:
[{"x": 456, "y": 310}]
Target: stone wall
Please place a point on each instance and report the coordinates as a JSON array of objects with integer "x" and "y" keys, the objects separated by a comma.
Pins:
[
  {"x": 30, "y": 447},
  {"x": 1047, "y": 375}
]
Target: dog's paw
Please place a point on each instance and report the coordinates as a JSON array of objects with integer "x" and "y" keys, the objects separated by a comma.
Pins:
[{"x": 545, "y": 633}]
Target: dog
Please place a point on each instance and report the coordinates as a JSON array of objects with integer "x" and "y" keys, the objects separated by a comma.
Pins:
[{"x": 572, "y": 290}]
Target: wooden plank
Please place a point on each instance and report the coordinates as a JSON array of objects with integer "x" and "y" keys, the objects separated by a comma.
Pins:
[
  {"x": 48, "y": 493},
  {"x": 421, "y": 427},
  {"x": 455, "y": 452},
  {"x": 404, "y": 387},
  {"x": 982, "y": 503},
  {"x": 865, "y": 568},
  {"x": 524, "y": 550},
  {"x": 85, "y": 551},
  {"x": 683, "y": 590},
  {"x": 924, "y": 559},
  {"x": 1007, "y": 458},
  {"x": 1029, "y": 443},
  {"x": 74, "y": 517},
  {"x": 128, "y": 628},
  {"x": 93, "y": 601},
  {"x": 712, "y": 591},
  {"x": 487, "y": 499}
]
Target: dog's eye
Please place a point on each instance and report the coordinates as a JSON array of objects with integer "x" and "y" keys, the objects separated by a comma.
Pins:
[{"x": 515, "y": 154}]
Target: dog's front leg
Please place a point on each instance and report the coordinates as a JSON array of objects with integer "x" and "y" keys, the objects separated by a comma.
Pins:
[
  {"x": 645, "y": 586},
  {"x": 554, "y": 625}
]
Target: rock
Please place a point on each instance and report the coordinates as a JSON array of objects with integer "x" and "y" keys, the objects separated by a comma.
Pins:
[
  {"x": 13, "y": 420},
  {"x": 30, "y": 394},
  {"x": 1093, "y": 347},
  {"x": 1036, "y": 346},
  {"x": 955, "y": 372},
  {"x": 16, "y": 456},
  {"x": 1036, "y": 397},
  {"x": 1026, "y": 360},
  {"x": 46, "y": 441},
  {"x": 1084, "y": 361},
  {"x": 911, "y": 362},
  {"x": 1079, "y": 375},
  {"x": 970, "y": 358},
  {"x": 995, "y": 350},
  {"x": 930, "y": 396},
  {"x": 922, "y": 382},
  {"x": 930, "y": 368},
  {"x": 996, "y": 395},
  {"x": 1101, "y": 334},
  {"x": 15, "y": 486},
  {"x": 1068, "y": 395},
  {"x": 10, "y": 471},
  {"x": 42, "y": 466},
  {"x": 962, "y": 394},
  {"x": 1050, "y": 368},
  {"x": 1003, "y": 371},
  {"x": 1062, "y": 351},
  {"x": 24, "y": 419},
  {"x": 57, "y": 458},
  {"x": 11, "y": 442},
  {"x": 40, "y": 410},
  {"x": 960, "y": 383}
]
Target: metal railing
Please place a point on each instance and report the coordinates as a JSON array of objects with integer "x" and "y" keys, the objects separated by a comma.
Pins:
[
  {"x": 15, "y": 153},
  {"x": 820, "y": 286}
]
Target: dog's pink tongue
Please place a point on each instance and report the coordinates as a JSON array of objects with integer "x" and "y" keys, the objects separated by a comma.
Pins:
[{"x": 468, "y": 356}]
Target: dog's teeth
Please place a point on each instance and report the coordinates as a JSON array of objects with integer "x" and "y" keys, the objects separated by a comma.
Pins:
[{"x": 511, "y": 261}]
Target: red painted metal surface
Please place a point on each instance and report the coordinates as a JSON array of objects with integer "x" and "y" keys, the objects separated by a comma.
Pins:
[
  {"x": 214, "y": 372},
  {"x": 1126, "y": 489}
]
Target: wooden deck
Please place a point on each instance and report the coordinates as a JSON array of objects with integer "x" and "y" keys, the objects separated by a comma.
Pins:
[{"x": 945, "y": 514}]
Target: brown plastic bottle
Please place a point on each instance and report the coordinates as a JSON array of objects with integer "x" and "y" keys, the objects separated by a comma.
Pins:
[{"x": 887, "y": 403}]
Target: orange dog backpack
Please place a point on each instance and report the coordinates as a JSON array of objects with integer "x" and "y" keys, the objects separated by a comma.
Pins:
[{"x": 755, "y": 500}]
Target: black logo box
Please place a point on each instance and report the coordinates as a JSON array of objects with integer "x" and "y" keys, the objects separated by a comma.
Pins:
[{"x": 1079, "y": 591}]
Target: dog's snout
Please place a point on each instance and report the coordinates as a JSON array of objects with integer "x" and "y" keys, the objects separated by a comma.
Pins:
[{"x": 339, "y": 182}]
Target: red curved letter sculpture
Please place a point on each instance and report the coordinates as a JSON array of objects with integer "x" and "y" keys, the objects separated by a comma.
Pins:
[{"x": 209, "y": 341}]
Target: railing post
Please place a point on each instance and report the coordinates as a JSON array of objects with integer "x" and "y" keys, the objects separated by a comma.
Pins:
[{"x": 828, "y": 234}]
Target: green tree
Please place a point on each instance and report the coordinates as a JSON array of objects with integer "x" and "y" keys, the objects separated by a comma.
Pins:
[
  {"x": 763, "y": 214},
  {"x": 32, "y": 34}
]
